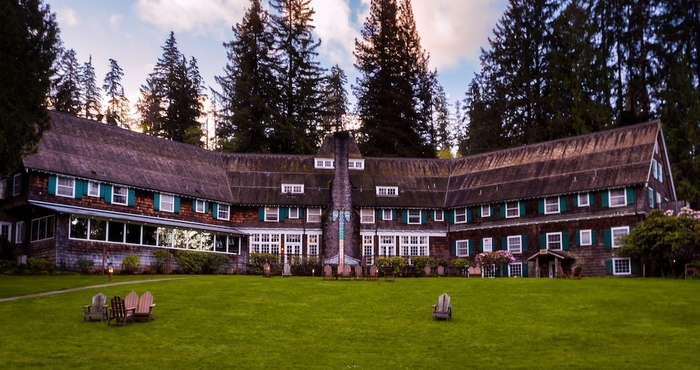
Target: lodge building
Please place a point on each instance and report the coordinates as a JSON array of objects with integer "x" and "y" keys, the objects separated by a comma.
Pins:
[{"x": 99, "y": 192}]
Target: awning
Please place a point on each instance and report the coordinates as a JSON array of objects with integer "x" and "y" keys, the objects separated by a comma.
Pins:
[
  {"x": 90, "y": 212},
  {"x": 553, "y": 254}
]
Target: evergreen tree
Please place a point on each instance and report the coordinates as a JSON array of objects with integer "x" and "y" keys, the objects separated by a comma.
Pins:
[
  {"x": 28, "y": 49},
  {"x": 248, "y": 87},
  {"x": 117, "y": 104},
  {"x": 66, "y": 93},
  {"x": 336, "y": 102},
  {"x": 91, "y": 93},
  {"x": 300, "y": 77},
  {"x": 391, "y": 85}
]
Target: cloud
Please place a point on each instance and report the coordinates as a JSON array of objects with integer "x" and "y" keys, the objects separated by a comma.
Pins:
[
  {"x": 203, "y": 16},
  {"x": 114, "y": 21},
  {"x": 334, "y": 26},
  {"x": 66, "y": 17}
]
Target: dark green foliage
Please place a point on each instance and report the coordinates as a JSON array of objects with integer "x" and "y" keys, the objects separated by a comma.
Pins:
[
  {"x": 28, "y": 48},
  {"x": 336, "y": 102},
  {"x": 131, "y": 263},
  {"x": 37, "y": 265},
  {"x": 85, "y": 265},
  {"x": 419, "y": 264},
  {"x": 190, "y": 262},
  {"x": 117, "y": 104},
  {"x": 395, "y": 263},
  {"x": 162, "y": 256},
  {"x": 216, "y": 263},
  {"x": 92, "y": 108},
  {"x": 66, "y": 92},
  {"x": 258, "y": 260}
]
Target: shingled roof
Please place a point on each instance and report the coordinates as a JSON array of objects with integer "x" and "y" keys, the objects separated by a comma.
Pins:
[{"x": 95, "y": 151}]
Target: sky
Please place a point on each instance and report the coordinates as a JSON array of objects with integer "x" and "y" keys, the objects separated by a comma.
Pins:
[{"x": 132, "y": 32}]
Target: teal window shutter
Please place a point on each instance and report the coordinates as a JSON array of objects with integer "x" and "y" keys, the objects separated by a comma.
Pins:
[
  {"x": 301, "y": 212},
  {"x": 522, "y": 208},
  {"x": 404, "y": 216},
  {"x": 608, "y": 267},
  {"x": 131, "y": 197},
  {"x": 503, "y": 210},
  {"x": 565, "y": 241},
  {"x": 606, "y": 198},
  {"x": 523, "y": 241},
  {"x": 453, "y": 248},
  {"x": 261, "y": 214},
  {"x": 543, "y": 241},
  {"x": 591, "y": 196},
  {"x": 106, "y": 191},
  {"x": 593, "y": 237},
  {"x": 176, "y": 206},
  {"x": 577, "y": 238},
  {"x": 393, "y": 215},
  {"x": 630, "y": 196},
  {"x": 504, "y": 244},
  {"x": 525, "y": 274},
  {"x": 562, "y": 204},
  {"x": 491, "y": 207},
  {"x": 481, "y": 246},
  {"x": 284, "y": 213},
  {"x": 379, "y": 214},
  {"x": 78, "y": 191},
  {"x": 194, "y": 205},
  {"x": 424, "y": 216},
  {"x": 52, "y": 185},
  {"x": 576, "y": 200},
  {"x": 451, "y": 216},
  {"x": 478, "y": 211},
  {"x": 608, "y": 238},
  {"x": 215, "y": 211},
  {"x": 156, "y": 201},
  {"x": 505, "y": 271},
  {"x": 469, "y": 214},
  {"x": 540, "y": 206},
  {"x": 471, "y": 247}
]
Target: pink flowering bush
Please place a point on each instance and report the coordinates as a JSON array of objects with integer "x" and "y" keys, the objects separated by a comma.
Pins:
[{"x": 496, "y": 258}]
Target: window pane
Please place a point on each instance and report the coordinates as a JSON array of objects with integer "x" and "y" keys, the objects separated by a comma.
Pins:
[
  {"x": 78, "y": 227},
  {"x": 133, "y": 234},
  {"x": 116, "y": 232},
  {"x": 150, "y": 235},
  {"x": 98, "y": 230}
]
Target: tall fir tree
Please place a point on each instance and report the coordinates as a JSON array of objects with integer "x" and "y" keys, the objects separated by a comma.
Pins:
[
  {"x": 300, "y": 77},
  {"x": 336, "y": 102},
  {"x": 66, "y": 95},
  {"x": 29, "y": 36},
  {"x": 117, "y": 110},
  {"x": 248, "y": 87},
  {"x": 92, "y": 105}
]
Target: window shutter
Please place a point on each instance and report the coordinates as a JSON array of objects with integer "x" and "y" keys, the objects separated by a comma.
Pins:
[
  {"x": 606, "y": 198},
  {"x": 608, "y": 238},
  {"x": 261, "y": 214},
  {"x": 481, "y": 246},
  {"x": 630, "y": 196},
  {"x": 424, "y": 217},
  {"x": 661, "y": 174},
  {"x": 575, "y": 200},
  {"x": 523, "y": 243},
  {"x": 156, "y": 200},
  {"x": 404, "y": 216},
  {"x": 543, "y": 241},
  {"x": 215, "y": 211},
  {"x": 608, "y": 267},
  {"x": 503, "y": 210},
  {"x": 634, "y": 266},
  {"x": 301, "y": 212},
  {"x": 379, "y": 215},
  {"x": 468, "y": 211},
  {"x": 593, "y": 237},
  {"x": 176, "y": 206},
  {"x": 540, "y": 206},
  {"x": 78, "y": 189},
  {"x": 491, "y": 208},
  {"x": 471, "y": 247},
  {"x": 453, "y": 248},
  {"x": 565, "y": 241},
  {"x": 591, "y": 197},
  {"x": 194, "y": 205},
  {"x": 106, "y": 191},
  {"x": 393, "y": 215},
  {"x": 504, "y": 244},
  {"x": 525, "y": 274},
  {"x": 451, "y": 216},
  {"x": 504, "y": 273},
  {"x": 522, "y": 208},
  {"x": 283, "y": 213},
  {"x": 478, "y": 211},
  {"x": 562, "y": 204},
  {"x": 52, "y": 185},
  {"x": 131, "y": 197}
]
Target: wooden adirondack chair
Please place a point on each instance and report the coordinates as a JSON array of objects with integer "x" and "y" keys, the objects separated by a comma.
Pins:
[
  {"x": 346, "y": 272},
  {"x": 327, "y": 272},
  {"x": 266, "y": 270},
  {"x": 119, "y": 312},
  {"x": 358, "y": 272},
  {"x": 287, "y": 270},
  {"x": 145, "y": 307},
  {"x": 441, "y": 271},
  {"x": 577, "y": 274},
  {"x": 560, "y": 273},
  {"x": 131, "y": 300},
  {"x": 427, "y": 271},
  {"x": 443, "y": 309},
  {"x": 389, "y": 273},
  {"x": 98, "y": 308},
  {"x": 372, "y": 274}
]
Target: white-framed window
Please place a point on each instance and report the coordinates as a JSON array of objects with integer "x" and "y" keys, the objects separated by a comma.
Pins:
[
  {"x": 265, "y": 243},
  {"x": 487, "y": 244},
  {"x": 387, "y": 245},
  {"x": 199, "y": 206},
  {"x": 414, "y": 216},
  {"x": 512, "y": 209},
  {"x": 324, "y": 163},
  {"x": 485, "y": 210},
  {"x": 366, "y": 216},
  {"x": 3, "y": 188},
  {"x": 293, "y": 213},
  {"x": 65, "y": 187},
  {"x": 120, "y": 195},
  {"x": 292, "y": 244},
  {"x": 293, "y": 188},
  {"x": 586, "y": 237},
  {"x": 583, "y": 200},
  {"x": 93, "y": 189},
  {"x": 515, "y": 244},
  {"x": 312, "y": 243},
  {"x": 387, "y": 191},
  {"x": 368, "y": 248},
  {"x": 414, "y": 245},
  {"x": 356, "y": 164},
  {"x": 17, "y": 184},
  {"x": 515, "y": 269},
  {"x": 272, "y": 214},
  {"x": 551, "y": 205},
  {"x": 462, "y": 248},
  {"x": 19, "y": 232},
  {"x": 439, "y": 216},
  {"x": 43, "y": 228},
  {"x": 650, "y": 197},
  {"x": 618, "y": 234},
  {"x": 387, "y": 214},
  {"x": 167, "y": 203},
  {"x": 313, "y": 215},
  {"x": 460, "y": 215},
  {"x": 488, "y": 271},
  {"x": 658, "y": 198},
  {"x": 5, "y": 228},
  {"x": 660, "y": 170},
  {"x": 223, "y": 211},
  {"x": 554, "y": 241},
  {"x": 622, "y": 266},
  {"x": 618, "y": 197}
]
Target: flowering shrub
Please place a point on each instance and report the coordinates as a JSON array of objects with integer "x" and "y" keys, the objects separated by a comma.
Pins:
[{"x": 496, "y": 258}]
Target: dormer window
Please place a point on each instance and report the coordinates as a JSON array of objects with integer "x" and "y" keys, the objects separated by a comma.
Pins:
[
  {"x": 387, "y": 191},
  {"x": 356, "y": 164},
  {"x": 293, "y": 188},
  {"x": 65, "y": 186},
  {"x": 326, "y": 163}
]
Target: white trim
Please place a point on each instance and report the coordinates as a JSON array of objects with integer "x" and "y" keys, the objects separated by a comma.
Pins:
[
  {"x": 387, "y": 191},
  {"x": 464, "y": 246},
  {"x": 126, "y": 196},
  {"x": 626, "y": 231},
  {"x": 93, "y": 189},
  {"x": 293, "y": 188},
  {"x": 442, "y": 215},
  {"x": 629, "y": 266},
  {"x": 316, "y": 214},
  {"x": 520, "y": 265},
  {"x": 483, "y": 244},
  {"x": 463, "y": 213},
  {"x": 272, "y": 214},
  {"x": 547, "y": 241},
  {"x": 65, "y": 190},
  {"x": 590, "y": 237},
  {"x": 617, "y": 197},
  {"x": 356, "y": 164},
  {"x": 554, "y": 206},
  {"x": 17, "y": 184},
  {"x": 520, "y": 243},
  {"x": 365, "y": 215},
  {"x": 171, "y": 204},
  {"x": 409, "y": 216},
  {"x": 585, "y": 196},
  {"x": 324, "y": 163},
  {"x": 485, "y": 210},
  {"x": 221, "y": 214},
  {"x": 517, "y": 208}
]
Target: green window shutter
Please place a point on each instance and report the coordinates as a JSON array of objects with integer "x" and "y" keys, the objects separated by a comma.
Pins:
[
  {"x": 608, "y": 238},
  {"x": 504, "y": 244},
  {"x": 131, "y": 197},
  {"x": 543, "y": 241},
  {"x": 106, "y": 191},
  {"x": 478, "y": 211},
  {"x": 404, "y": 216},
  {"x": 591, "y": 197},
  {"x": 593, "y": 237},
  {"x": 491, "y": 208},
  {"x": 630, "y": 196},
  {"x": 481, "y": 246},
  {"x": 523, "y": 241},
  {"x": 577, "y": 238},
  {"x": 504, "y": 272},
  {"x": 451, "y": 216},
  {"x": 301, "y": 212},
  {"x": 471, "y": 247},
  {"x": 562, "y": 204},
  {"x": 176, "y": 206},
  {"x": 424, "y": 217},
  {"x": 379, "y": 214},
  {"x": 575, "y": 200},
  {"x": 261, "y": 214},
  {"x": 206, "y": 207},
  {"x": 525, "y": 274},
  {"x": 608, "y": 267},
  {"x": 215, "y": 211},
  {"x": 540, "y": 206},
  {"x": 503, "y": 210},
  {"x": 156, "y": 201},
  {"x": 453, "y": 248},
  {"x": 284, "y": 213},
  {"x": 522, "y": 208},
  {"x": 393, "y": 215},
  {"x": 469, "y": 214},
  {"x": 78, "y": 191},
  {"x": 565, "y": 241},
  {"x": 606, "y": 198},
  {"x": 194, "y": 205},
  {"x": 52, "y": 185}
]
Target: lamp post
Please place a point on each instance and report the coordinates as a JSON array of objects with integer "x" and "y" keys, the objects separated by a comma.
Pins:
[{"x": 110, "y": 270}]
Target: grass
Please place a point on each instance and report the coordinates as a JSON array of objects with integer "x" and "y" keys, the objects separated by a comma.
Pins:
[{"x": 249, "y": 322}]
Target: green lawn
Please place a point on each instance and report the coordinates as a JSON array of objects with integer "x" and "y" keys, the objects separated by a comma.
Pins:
[{"x": 250, "y": 322}]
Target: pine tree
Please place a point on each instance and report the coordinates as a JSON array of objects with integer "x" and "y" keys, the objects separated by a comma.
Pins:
[
  {"x": 92, "y": 108},
  {"x": 66, "y": 94},
  {"x": 117, "y": 104},
  {"x": 28, "y": 44},
  {"x": 300, "y": 77},
  {"x": 249, "y": 86},
  {"x": 336, "y": 102}
]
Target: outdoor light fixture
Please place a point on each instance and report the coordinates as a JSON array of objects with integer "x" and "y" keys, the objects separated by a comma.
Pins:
[{"x": 110, "y": 270}]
